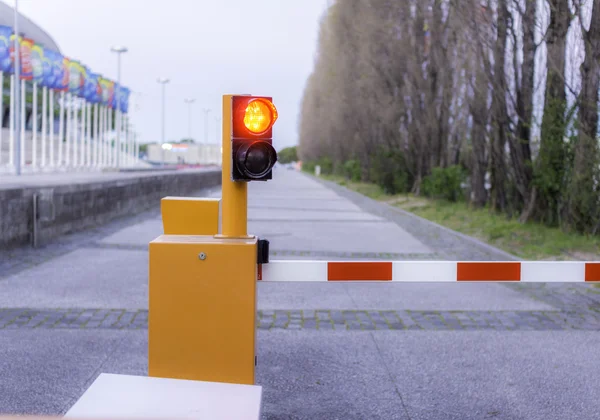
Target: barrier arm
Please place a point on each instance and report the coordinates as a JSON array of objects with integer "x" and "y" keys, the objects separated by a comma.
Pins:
[{"x": 430, "y": 271}]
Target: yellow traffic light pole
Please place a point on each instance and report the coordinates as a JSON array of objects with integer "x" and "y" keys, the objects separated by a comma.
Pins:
[
  {"x": 202, "y": 288},
  {"x": 235, "y": 194}
]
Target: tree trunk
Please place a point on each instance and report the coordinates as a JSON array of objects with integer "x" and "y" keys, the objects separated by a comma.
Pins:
[
  {"x": 520, "y": 144},
  {"x": 583, "y": 193},
  {"x": 499, "y": 114},
  {"x": 551, "y": 160},
  {"x": 479, "y": 161}
]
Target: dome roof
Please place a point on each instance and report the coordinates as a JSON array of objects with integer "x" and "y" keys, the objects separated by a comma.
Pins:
[{"x": 26, "y": 27}]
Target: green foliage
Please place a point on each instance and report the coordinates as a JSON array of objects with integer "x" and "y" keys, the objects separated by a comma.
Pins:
[
  {"x": 444, "y": 183},
  {"x": 390, "y": 172},
  {"x": 288, "y": 155},
  {"x": 309, "y": 166},
  {"x": 326, "y": 165},
  {"x": 352, "y": 170},
  {"x": 553, "y": 159},
  {"x": 581, "y": 201}
]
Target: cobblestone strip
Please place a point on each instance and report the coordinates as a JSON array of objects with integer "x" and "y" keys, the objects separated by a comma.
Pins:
[{"x": 348, "y": 320}]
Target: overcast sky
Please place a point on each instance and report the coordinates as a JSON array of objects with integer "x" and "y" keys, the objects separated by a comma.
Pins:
[{"x": 207, "y": 48}]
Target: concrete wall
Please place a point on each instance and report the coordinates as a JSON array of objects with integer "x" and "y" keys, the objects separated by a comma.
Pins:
[{"x": 69, "y": 208}]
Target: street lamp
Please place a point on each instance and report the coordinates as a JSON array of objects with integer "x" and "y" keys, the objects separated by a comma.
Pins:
[
  {"x": 119, "y": 50},
  {"x": 189, "y": 101},
  {"x": 163, "y": 81}
]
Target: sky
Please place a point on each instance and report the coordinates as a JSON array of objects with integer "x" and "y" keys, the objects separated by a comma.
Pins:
[{"x": 206, "y": 48}]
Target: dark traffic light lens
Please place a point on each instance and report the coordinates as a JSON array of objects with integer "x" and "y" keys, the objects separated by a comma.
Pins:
[{"x": 255, "y": 160}]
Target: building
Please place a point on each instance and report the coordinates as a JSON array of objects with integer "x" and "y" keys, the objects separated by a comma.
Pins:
[
  {"x": 185, "y": 153},
  {"x": 43, "y": 146},
  {"x": 27, "y": 27}
]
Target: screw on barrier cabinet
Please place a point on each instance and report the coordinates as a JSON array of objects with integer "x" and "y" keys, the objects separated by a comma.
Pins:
[
  {"x": 202, "y": 256},
  {"x": 263, "y": 251}
]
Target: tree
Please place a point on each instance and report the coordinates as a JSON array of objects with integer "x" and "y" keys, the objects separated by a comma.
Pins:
[
  {"x": 406, "y": 90},
  {"x": 583, "y": 192},
  {"x": 287, "y": 155},
  {"x": 550, "y": 168}
]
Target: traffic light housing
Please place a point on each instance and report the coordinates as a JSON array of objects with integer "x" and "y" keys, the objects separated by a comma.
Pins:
[{"x": 252, "y": 152}]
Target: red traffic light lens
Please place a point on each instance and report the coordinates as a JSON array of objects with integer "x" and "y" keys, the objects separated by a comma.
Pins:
[{"x": 254, "y": 116}]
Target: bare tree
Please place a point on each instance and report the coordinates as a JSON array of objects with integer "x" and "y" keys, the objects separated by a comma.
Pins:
[
  {"x": 550, "y": 165},
  {"x": 403, "y": 90},
  {"x": 583, "y": 193}
]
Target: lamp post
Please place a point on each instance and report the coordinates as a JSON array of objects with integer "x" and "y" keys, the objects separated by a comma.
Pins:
[
  {"x": 119, "y": 50},
  {"x": 17, "y": 139},
  {"x": 163, "y": 81},
  {"x": 189, "y": 101}
]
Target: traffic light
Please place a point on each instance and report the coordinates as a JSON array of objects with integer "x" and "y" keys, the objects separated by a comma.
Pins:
[{"x": 252, "y": 152}]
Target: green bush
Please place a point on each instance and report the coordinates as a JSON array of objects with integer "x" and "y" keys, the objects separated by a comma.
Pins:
[
  {"x": 309, "y": 166},
  {"x": 288, "y": 155},
  {"x": 389, "y": 171},
  {"x": 444, "y": 183},
  {"x": 351, "y": 170},
  {"x": 326, "y": 165}
]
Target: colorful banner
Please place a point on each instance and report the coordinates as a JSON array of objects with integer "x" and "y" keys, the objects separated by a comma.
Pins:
[
  {"x": 108, "y": 93},
  {"x": 62, "y": 70},
  {"x": 5, "y": 57},
  {"x": 51, "y": 69},
  {"x": 37, "y": 64},
  {"x": 83, "y": 72},
  {"x": 47, "y": 72},
  {"x": 26, "y": 64},
  {"x": 56, "y": 76},
  {"x": 105, "y": 85},
  {"x": 124, "y": 100},
  {"x": 114, "y": 99},
  {"x": 75, "y": 77},
  {"x": 25, "y": 45},
  {"x": 92, "y": 90}
]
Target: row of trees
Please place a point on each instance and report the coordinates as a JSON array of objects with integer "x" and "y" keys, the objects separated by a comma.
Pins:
[{"x": 502, "y": 94}]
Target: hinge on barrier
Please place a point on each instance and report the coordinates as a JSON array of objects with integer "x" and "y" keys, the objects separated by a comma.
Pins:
[
  {"x": 255, "y": 360},
  {"x": 263, "y": 251}
]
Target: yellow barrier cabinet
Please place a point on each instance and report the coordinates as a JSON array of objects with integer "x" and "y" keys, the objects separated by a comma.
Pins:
[{"x": 202, "y": 286}]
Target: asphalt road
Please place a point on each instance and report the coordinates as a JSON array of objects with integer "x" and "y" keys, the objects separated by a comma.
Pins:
[{"x": 325, "y": 351}]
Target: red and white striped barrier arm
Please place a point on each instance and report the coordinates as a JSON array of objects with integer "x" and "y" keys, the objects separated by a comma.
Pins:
[{"x": 429, "y": 271}]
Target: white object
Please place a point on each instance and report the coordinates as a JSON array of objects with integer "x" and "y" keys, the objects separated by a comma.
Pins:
[
  {"x": 126, "y": 396},
  {"x": 317, "y": 170}
]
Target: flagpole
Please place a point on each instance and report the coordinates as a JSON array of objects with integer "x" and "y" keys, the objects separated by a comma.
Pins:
[{"x": 17, "y": 92}]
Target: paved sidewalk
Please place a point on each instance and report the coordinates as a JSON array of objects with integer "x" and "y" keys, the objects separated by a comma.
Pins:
[{"x": 78, "y": 307}]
